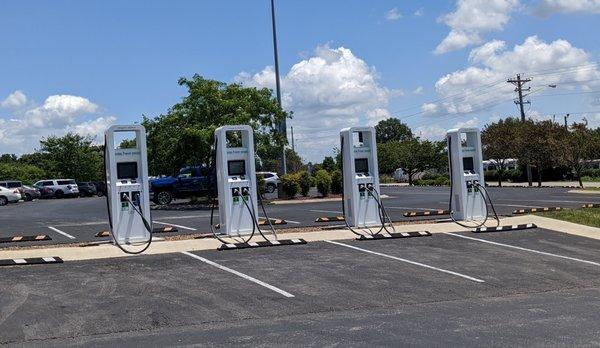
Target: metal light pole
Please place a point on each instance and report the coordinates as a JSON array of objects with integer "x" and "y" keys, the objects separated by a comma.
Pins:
[{"x": 282, "y": 125}]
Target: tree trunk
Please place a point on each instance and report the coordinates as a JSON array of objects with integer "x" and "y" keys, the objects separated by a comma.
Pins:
[
  {"x": 578, "y": 172},
  {"x": 499, "y": 178},
  {"x": 410, "y": 176},
  {"x": 539, "y": 177}
]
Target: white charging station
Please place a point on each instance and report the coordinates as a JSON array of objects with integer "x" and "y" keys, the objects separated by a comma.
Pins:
[
  {"x": 236, "y": 179},
  {"x": 360, "y": 175},
  {"x": 467, "y": 179},
  {"x": 127, "y": 186}
]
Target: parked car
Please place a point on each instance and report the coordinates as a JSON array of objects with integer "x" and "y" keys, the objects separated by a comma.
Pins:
[
  {"x": 190, "y": 181},
  {"x": 87, "y": 189},
  {"x": 29, "y": 193},
  {"x": 100, "y": 188},
  {"x": 9, "y": 195},
  {"x": 60, "y": 187},
  {"x": 271, "y": 180}
]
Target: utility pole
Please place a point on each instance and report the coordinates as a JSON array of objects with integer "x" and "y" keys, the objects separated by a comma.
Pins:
[
  {"x": 566, "y": 122},
  {"x": 519, "y": 83},
  {"x": 293, "y": 146},
  {"x": 282, "y": 125}
]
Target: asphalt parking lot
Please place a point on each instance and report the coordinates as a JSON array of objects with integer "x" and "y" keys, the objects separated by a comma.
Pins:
[
  {"x": 80, "y": 219},
  {"x": 524, "y": 288}
]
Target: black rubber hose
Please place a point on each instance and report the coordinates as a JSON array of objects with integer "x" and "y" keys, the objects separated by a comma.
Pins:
[
  {"x": 383, "y": 211},
  {"x": 482, "y": 188},
  {"x": 266, "y": 217}
]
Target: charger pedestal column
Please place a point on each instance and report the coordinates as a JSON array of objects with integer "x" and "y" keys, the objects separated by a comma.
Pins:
[
  {"x": 359, "y": 156},
  {"x": 127, "y": 185},
  {"x": 466, "y": 164},
  {"x": 236, "y": 179}
]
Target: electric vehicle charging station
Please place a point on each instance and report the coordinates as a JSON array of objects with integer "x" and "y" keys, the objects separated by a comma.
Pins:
[
  {"x": 361, "y": 201},
  {"x": 128, "y": 189},
  {"x": 468, "y": 196},
  {"x": 238, "y": 192}
]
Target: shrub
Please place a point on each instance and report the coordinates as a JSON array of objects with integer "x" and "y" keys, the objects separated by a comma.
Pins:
[
  {"x": 491, "y": 175},
  {"x": 336, "y": 182},
  {"x": 26, "y": 173},
  {"x": 261, "y": 185},
  {"x": 386, "y": 179},
  {"x": 592, "y": 173},
  {"x": 290, "y": 185},
  {"x": 323, "y": 182},
  {"x": 513, "y": 175},
  {"x": 305, "y": 180}
]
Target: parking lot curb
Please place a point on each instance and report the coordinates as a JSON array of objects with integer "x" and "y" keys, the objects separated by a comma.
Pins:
[
  {"x": 395, "y": 235},
  {"x": 504, "y": 228},
  {"x": 264, "y": 222},
  {"x": 330, "y": 219},
  {"x": 536, "y": 210},
  {"x": 30, "y": 261},
  {"x": 16, "y": 239},
  {"x": 426, "y": 213},
  {"x": 591, "y": 205},
  {"x": 261, "y": 244},
  {"x": 167, "y": 229}
]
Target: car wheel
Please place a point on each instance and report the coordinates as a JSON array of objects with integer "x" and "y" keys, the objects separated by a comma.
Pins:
[
  {"x": 59, "y": 194},
  {"x": 99, "y": 193},
  {"x": 164, "y": 197},
  {"x": 3, "y": 201},
  {"x": 28, "y": 197},
  {"x": 271, "y": 188}
]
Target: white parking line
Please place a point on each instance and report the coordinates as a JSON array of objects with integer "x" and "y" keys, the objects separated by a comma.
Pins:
[
  {"x": 178, "y": 226},
  {"x": 326, "y": 211},
  {"x": 184, "y": 217},
  {"x": 239, "y": 274},
  {"x": 61, "y": 232},
  {"x": 516, "y": 205},
  {"x": 548, "y": 201},
  {"x": 408, "y": 261},
  {"x": 411, "y": 208},
  {"x": 523, "y": 249}
]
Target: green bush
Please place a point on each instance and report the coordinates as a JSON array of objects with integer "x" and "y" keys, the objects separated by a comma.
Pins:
[
  {"x": 592, "y": 173},
  {"x": 261, "y": 185},
  {"x": 305, "y": 180},
  {"x": 439, "y": 181},
  {"x": 429, "y": 176},
  {"x": 290, "y": 185},
  {"x": 26, "y": 173},
  {"x": 386, "y": 179},
  {"x": 491, "y": 175},
  {"x": 323, "y": 182},
  {"x": 336, "y": 182}
]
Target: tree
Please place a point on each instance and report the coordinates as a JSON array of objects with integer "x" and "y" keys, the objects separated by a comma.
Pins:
[
  {"x": 500, "y": 142},
  {"x": 579, "y": 145},
  {"x": 72, "y": 157},
  {"x": 540, "y": 144},
  {"x": 184, "y": 135},
  {"x": 26, "y": 173},
  {"x": 412, "y": 156},
  {"x": 329, "y": 164},
  {"x": 392, "y": 130},
  {"x": 8, "y": 158}
]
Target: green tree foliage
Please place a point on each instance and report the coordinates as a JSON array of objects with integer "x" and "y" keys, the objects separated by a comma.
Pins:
[
  {"x": 8, "y": 158},
  {"x": 540, "y": 144},
  {"x": 184, "y": 135},
  {"x": 306, "y": 182},
  {"x": 323, "y": 182},
  {"x": 392, "y": 130},
  {"x": 329, "y": 164},
  {"x": 290, "y": 185},
  {"x": 412, "y": 156},
  {"x": 336, "y": 182},
  {"x": 72, "y": 156},
  {"x": 581, "y": 144},
  {"x": 499, "y": 141},
  {"x": 26, "y": 173}
]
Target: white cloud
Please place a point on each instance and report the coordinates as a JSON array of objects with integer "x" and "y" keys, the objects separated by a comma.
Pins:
[
  {"x": 393, "y": 14},
  {"x": 431, "y": 132},
  {"x": 376, "y": 115},
  {"x": 418, "y": 90},
  {"x": 429, "y": 108},
  {"x": 547, "y": 7},
  {"x": 474, "y": 122},
  {"x": 22, "y": 130},
  {"x": 419, "y": 12},
  {"x": 331, "y": 90},
  {"x": 471, "y": 18},
  {"x": 484, "y": 82},
  {"x": 14, "y": 100}
]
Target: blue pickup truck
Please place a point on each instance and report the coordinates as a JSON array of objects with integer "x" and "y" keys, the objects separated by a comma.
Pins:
[{"x": 198, "y": 181}]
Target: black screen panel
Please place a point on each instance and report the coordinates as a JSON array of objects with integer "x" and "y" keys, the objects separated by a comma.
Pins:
[
  {"x": 236, "y": 168},
  {"x": 468, "y": 164},
  {"x": 127, "y": 170},
  {"x": 361, "y": 165}
]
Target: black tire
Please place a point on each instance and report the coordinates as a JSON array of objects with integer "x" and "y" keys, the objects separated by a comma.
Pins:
[
  {"x": 28, "y": 197},
  {"x": 59, "y": 194},
  {"x": 163, "y": 197},
  {"x": 271, "y": 188},
  {"x": 100, "y": 194},
  {"x": 3, "y": 200}
]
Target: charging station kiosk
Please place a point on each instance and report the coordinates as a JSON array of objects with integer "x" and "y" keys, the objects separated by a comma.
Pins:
[
  {"x": 361, "y": 201},
  {"x": 128, "y": 188},
  {"x": 361, "y": 175},
  {"x": 236, "y": 179},
  {"x": 238, "y": 192},
  {"x": 466, "y": 167}
]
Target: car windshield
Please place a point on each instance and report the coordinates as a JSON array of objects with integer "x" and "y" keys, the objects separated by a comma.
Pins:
[{"x": 66, "y": 182}]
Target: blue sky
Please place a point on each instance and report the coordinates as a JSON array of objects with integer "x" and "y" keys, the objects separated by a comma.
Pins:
[{"x": 80, "y": 66}]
